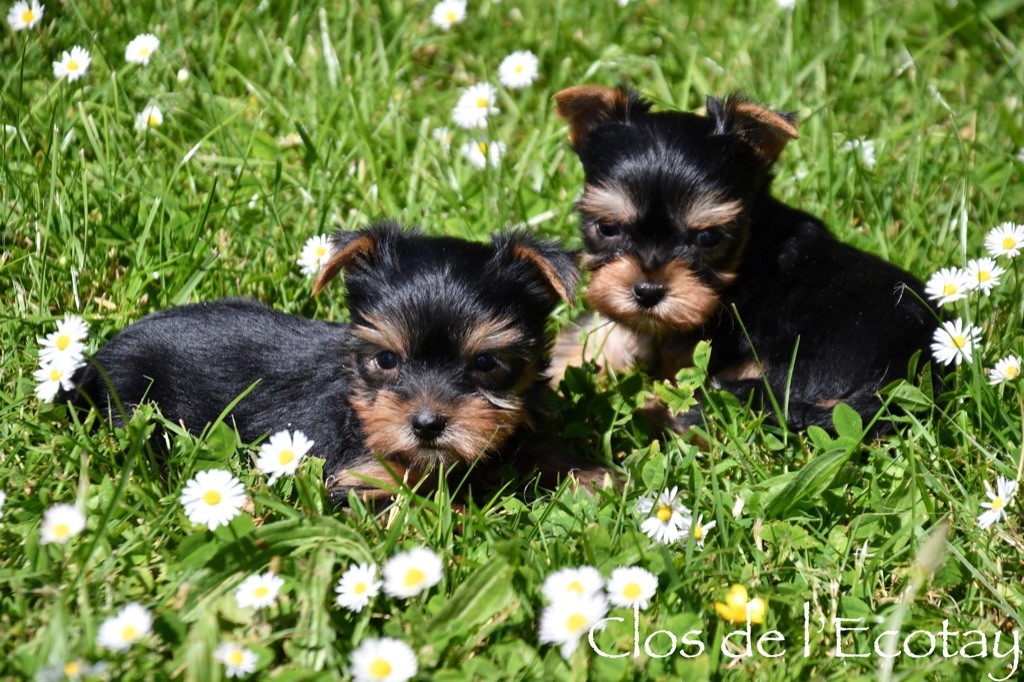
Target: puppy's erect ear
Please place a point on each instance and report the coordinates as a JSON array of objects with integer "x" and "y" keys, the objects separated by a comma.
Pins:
[
  {"x": 348, "y": 248},
  {"x": 587, "y": 106},
  {"x": 559, "y": 268},
  {"x": 765, "y": 130}
]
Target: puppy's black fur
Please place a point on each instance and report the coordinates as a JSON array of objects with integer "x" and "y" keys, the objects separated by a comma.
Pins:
[
  {"x": 443, "y": 363},
  {"x": 679, "y": 226}
]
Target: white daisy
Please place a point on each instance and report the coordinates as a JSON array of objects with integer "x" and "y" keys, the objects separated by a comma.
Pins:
[
  {"x": 72, "y": 670},
  {"x": 585, "y": 581},
  {"x": 865, "y": 149},
  {"x": 141, "y": 48},
  {"x": 444, "y": 137},
  {"x": 568, "y": 620},
  {"x": 238, "y": 660},
  {"x": 212, "y": 498},
  {"x": 67, "y": 342},
  {"x": 259, "y": 590},
  {"x": 3, "y": 501},
  {"x": 667, "y": 520},
  {"x": 479, "y": 154},
  {"x": 314, "y": 254},
  {"x": 984, "y": 274},
  {"x": 24, "y": 15},
  {"x": 150, "y": 117},
  {"x": 448, "y": 13},
  {"x": 954, "y": 342},
  {"x": 518, "y": 70},
  {"x": 61, "y": 522},
  {"x": 632, "y": 586},
  {"x": 786, "y": 4},
  {"x": 280, "y": 456},
  {"x": 72, "y": 65},
  {"x": 998, "y": 501},
  {"x": 288, "y": 141},
  {"x": 474, "y": 106},
  {"x": 128, "y": 626},
  {"x": 948, "y": 285},
  {"x": 357, "y": 586},
  {"x": 1007, "y": 369},
  {"x": 183, "y": 75},
  {"x": 406, "y": 574},
  {"x": 382, "y": 660},
  {"x": 700, "y": 532},
  {"x": 1005, "y": 240},
  {"x": 54, "y": 375}
]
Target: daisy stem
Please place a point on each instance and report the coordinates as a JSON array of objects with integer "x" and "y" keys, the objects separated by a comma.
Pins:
[{"x": 1020, "y": 457}]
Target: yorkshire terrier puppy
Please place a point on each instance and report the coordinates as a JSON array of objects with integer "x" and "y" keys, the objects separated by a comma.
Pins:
[
  {"x": 685, "y": 242},
  {"x": 443, "y": 362}
]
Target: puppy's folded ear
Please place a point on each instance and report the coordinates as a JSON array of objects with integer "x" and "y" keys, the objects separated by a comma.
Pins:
[
  {"x": 765, "y": 130},
  {"x": 587, "y": 106},
  {"x": 559, "y": 268},
  {"x": 361, "y": 246}
]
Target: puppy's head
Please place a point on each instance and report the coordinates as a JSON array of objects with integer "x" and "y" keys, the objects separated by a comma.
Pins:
[
  {"x": 448, "y": 337},
  {"x": 666, "y": 206}
]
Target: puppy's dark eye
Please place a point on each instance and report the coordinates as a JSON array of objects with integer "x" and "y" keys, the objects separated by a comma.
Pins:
[
  {"x": 609, "y": 229},
  {"x": 484, "y": 362},
  {"x": 706, "y": 239},
  {"x": 386, "y": 360}
]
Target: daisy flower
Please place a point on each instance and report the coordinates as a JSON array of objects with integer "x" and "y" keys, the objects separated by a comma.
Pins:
[
  {"x": 3, "y": 501},
  {"x": 183, "y": 76},
  {"x": 865, "y": 149},
  {"x": 1007, "y": 369},
  {"x": 212, "y": 498},
  {"x": 24, "y": 15},
  {"x": 443, "y": 136},
  {"x": 1005, "y": 240},
  {"x": 997, "y": 502},
  {"x": 948, "y": 285},
  {"x": 668, "y": 520},
  {"x": 518, "y": 70},
  {"x": 357, "y": 586},
  {"x": 150, "y": 117},
  {"x": 568, "y": 620},
  {"x": 479, "y": 154},
  {"x": 448, "y": 13},
  {"x": 737, "y": 607},
  {"x": 786, "y": 4},
  {"x": 141, "y": 48},
  {"x": 280, "y": 456},
  {"x": 474, "y": 106},
  {"x": 72, "y": 65},
  {"x": 406, "y": 574},
  {"x": 238, "y": 660},
  {"x": 585, "y": 581},
  {"x": 54, "y": 375},
  {"x": 259, "y": 590},
  {"x": 700, "y": 532},
  {"x": 72, "y": 670},
  {"x": 382, "y": 660},
  {"x": 61, "y": 522},
  {"x": 67, "y": 342},
  {"x": 984, "y": 274},
  {"x": 128, "y": 626},
  {"x": 314, "y": 253},
  {"x": 288, "y": 141},
  {"x": 632, "y": 586},
  {"x": 954, "y": 342}
]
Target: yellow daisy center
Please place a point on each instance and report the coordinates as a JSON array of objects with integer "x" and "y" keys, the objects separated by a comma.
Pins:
[
  {"x": 452, "y": 16},
  {"x": 482, "y": 146},
  {"x": 321, "y": 252},
  {"x": 236, "y": 657},
  {"x": 1012, "y": 371},
  {"x": 959, "y": 341},
  {"x": 632, "y": 591},
  {"x": 27, "y": 16},
  {"x": 73, "y": 66},
  {"x": 1009, "y": 243},
  {"x": 698, "y": 532},
  {"x": 360, "y": 588},
  {"x": 998, "y": 503},
  {"x": 482, "y": 102},
  {"x": 212, "y": 497},
  {"x": 286, "y": 457},
  {"x": 575, "y": 586},
  {"x": 949, "y": 289},
  {"x": 61, "y": 531},
  {"x": 72, "y": 669},
  {"x": 664, "y": 513},
  {"x": 414, "y": 577},
  {"x": 143, "y": 51},
  {"x": 575, "y": 623},
  {"x": 519, "y": 68},
  {"x": 129, "y": 633},
  {"x": 380, "y": 668},
  {"x": 261, "y": 591},
  {"x": 63, "y": 341},
  {"x": 152, "y": 121},
  {"x": 984, "y": 276},
  {"x": 56, "y": 374}
]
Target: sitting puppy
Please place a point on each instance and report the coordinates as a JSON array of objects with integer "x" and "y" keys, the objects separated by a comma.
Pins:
[
  {"x": 443, "y": 363},
  {"x": 685, "y": 243}
]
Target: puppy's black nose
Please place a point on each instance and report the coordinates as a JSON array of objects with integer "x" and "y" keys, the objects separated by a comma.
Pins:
[
  {"x": 428, "y": 425},
  {"x": 648, "y": 294}
]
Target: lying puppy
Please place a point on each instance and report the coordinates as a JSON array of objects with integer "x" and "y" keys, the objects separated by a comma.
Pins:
[
  {"x": 443, "y": 363},
  {"x": 685, "y": 243}
]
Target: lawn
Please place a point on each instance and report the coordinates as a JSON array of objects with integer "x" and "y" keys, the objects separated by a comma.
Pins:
[{"x": 280, "y": 121}]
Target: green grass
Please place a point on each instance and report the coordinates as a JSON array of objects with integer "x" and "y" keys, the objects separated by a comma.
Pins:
[{"x": 110, "y": 224}]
